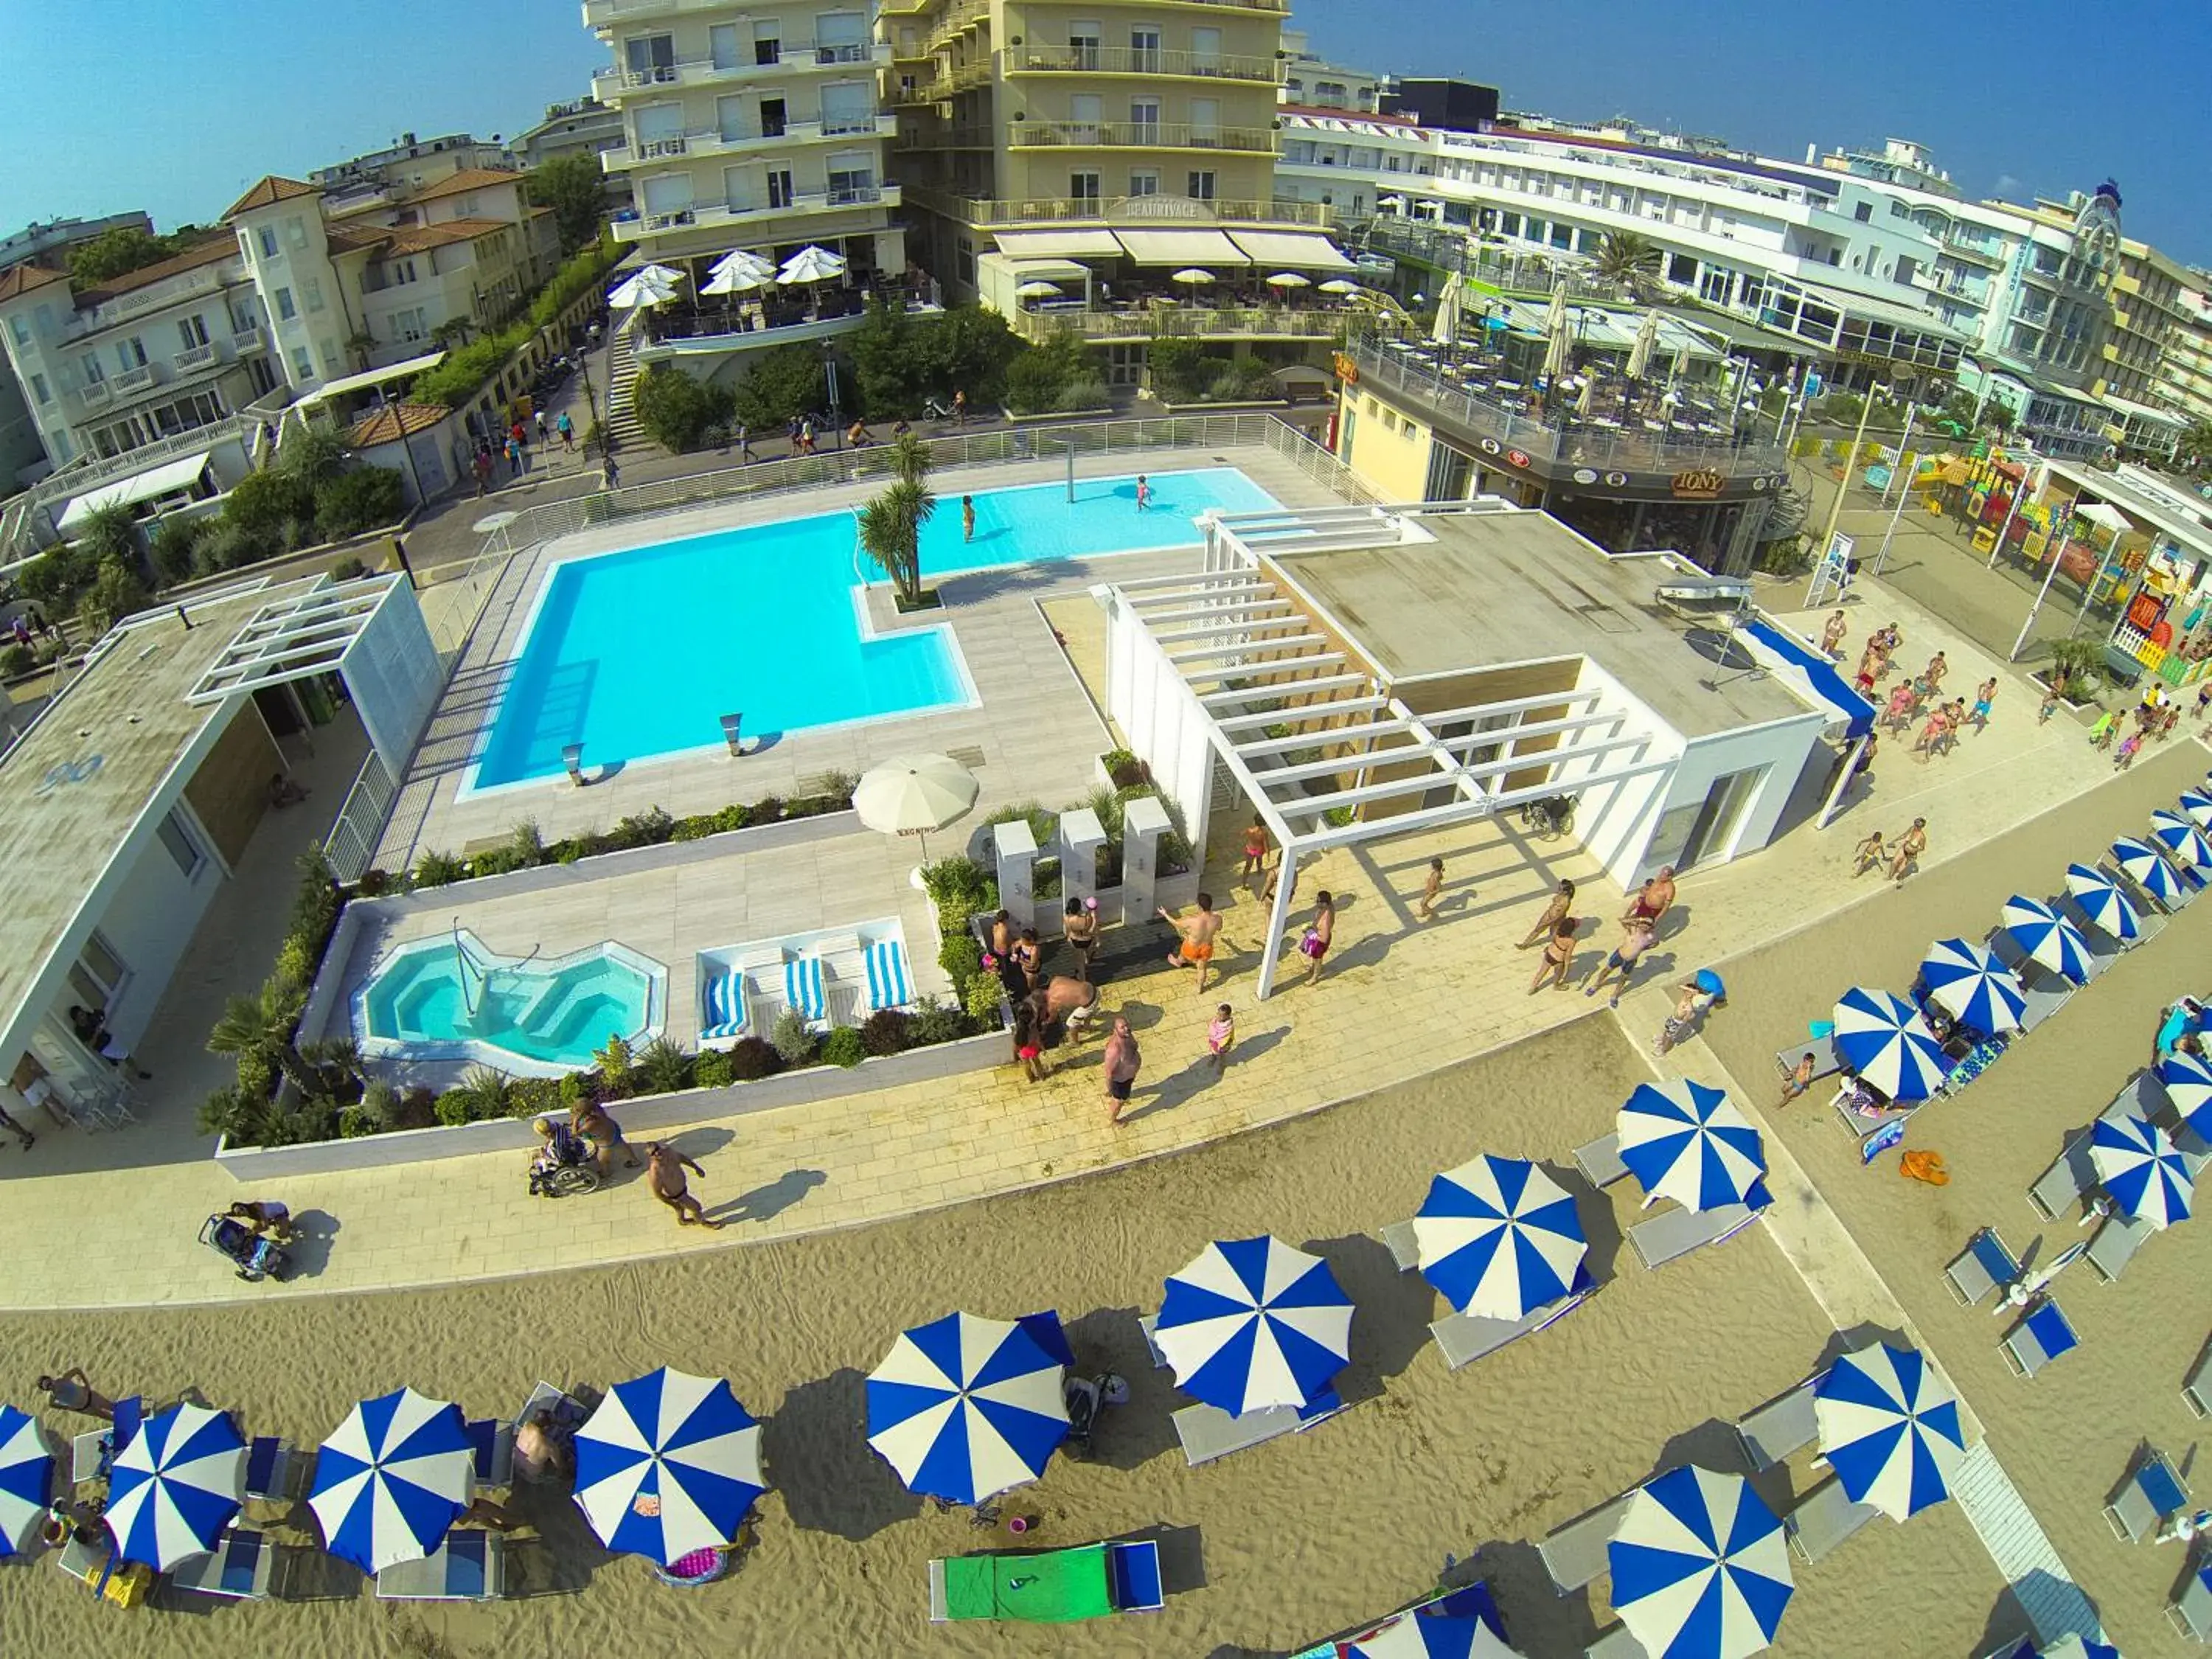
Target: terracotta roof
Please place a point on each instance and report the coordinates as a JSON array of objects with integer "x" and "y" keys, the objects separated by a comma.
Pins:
[
  {"x": 415, "y": 239},
  {"x": 390, "y": 425},
  {"x": 214, "y": 251},
  {"x": 352, "y": 240},
  {"x": 21, "y": 279},
  {"x": 461, "y": 183},
  {"x": 268, "y": 192}
]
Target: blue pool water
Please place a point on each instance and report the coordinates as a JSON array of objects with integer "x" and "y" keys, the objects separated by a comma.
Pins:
[
  {"x": 641, "y": 653},
  {"x": 430, "y": 995}
]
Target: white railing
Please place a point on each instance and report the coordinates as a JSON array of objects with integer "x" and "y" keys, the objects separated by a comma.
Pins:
[
  {"x": 134, "y": 380},
  {"x": 98, "y": 395},
  {"x": 351, "y": 843},
  {"x": 248, "y": 339},
  {"x": 1140, "y": 60},
  {"x": 198, "y": 358}
]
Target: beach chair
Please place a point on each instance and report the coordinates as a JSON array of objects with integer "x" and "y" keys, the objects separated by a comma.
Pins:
[
  {"x": 2152, "y": 1493},
  {"x": 2037, "y": 1340},
  {"x": 2060, "y": 1186},
  {"x": 884, "y": 968},
  {"x": 1783, "y": 1425},
  {"x": 494, "y": 1444},
  {"x": 1575, "y": 1555},
  {"x": 1674, "y": 1234},
  {"x": 1985, "y": 1264},
  {"x": 2115, "y": 1244},
  {"x": 276, "y": 1473},
  {"x": 2043, "y": 992},
  {"x": 1089, "y": 1581},
  {"x": 2196, "y": 1387},
  {"x": 1826, "y": 1517},
  {"x": 724, "y": 1005},
  {"x": 2190, "y": 1613},
  {"x": 1617, "y": 1643},
  {"x": 1462, "y": 1337},
  {"x": 242, "y": 1567},
  {"x": 1404, "y": 1248},
  {"x": 1599, "y": 1161},
  {"x": 1862, "y": 1122},
  {"x": 468, "y": 1566},
  {"x": 805, "y": 990},
  {"x": 1207, "y": 1432},
  {"x": 95, "y": 1564}
]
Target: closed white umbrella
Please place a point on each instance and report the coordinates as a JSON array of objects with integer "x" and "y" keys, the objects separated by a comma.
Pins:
[
  {"x": 737, "y": 279},
  {"x": 743, "y": 260},
  {"x": 811, "y": 264},
  {"x": 1288, "y": 279},
  {"x": 914, "y": 794},
  {"x": 1647, "y": 342},
  {"x": 1448, "y": 307}
]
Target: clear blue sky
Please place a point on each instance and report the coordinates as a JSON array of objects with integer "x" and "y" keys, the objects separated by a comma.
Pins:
[{"x": 176, "y": 106}]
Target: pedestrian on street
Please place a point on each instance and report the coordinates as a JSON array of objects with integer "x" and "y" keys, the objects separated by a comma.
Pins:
[
  {"x": 966, "y": 518},
  {"x": 480, "y": 464},
  {"x": 1029, "y": 1041},
  {"x": 959, "y": 407},
  {"x": 613, "y": 474},
  {"x": 745, "y": 442},
  {"x": 1430, "y": 888},
  {"x": 1562, "y": 898},
  {"x": 671, "y": 1189},
  {"x": 567, "y": 428},
  {"x": 1636, "y": 932},
  {"x": 1081, "y": 929},
  {"x": 1122, "y": 1059},
  {"x": 543, "y": 433},
  {"x": 1144, "y": 492},
  {"x": 514, "y": 457},
  {"x": 1654, "y": 898}
]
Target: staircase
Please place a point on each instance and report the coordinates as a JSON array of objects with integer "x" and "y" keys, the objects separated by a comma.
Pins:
[{"x": 621, "y": 375}]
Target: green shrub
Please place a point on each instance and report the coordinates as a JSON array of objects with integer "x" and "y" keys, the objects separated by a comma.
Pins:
[
  {"x": 349, "y": 569},
  {"x": 1080, "y": 397},
  {"x": 845, "y": 1047},
  {"x": 647, "y": 829},
  {"x": 662, "y": 1068},
  {"x": 366, "y": 498},
  {"x": 983, "y": 998},
  {"x": 936, "y": 1022},
  {"x": 17, "y": 659},
  {"x": 267, "y": 505},
  {"x": 782, "y": 383},
  {"x": 791, "y": 1039},
  {"x": 452, "y": 1108},
  {"x": 960, "y": 957},
  {"x": 435, "y": 869},
  {"x": 1180, "y": 369},
  {"x": 174, "y": 548},
  {"x": 484, "y": 1093},
  {"x": 766, "y": 809},
  {"x": 1038, "y": 376},
  {"x": 676, "y": 410},
  {"x": 616, "y": 1065},
  {"x": 752, "y": 1059},
  {"x": 528, "y": 846},
  {"x": 886, "y": 1032},
  {"x": 1043, "y": 825},
  {"x": 354, "y": 1122},
  {"x": 577, "y": 1089},
  {"x": 712, "y": 1070},
  {"x": 534, "y": 1096}
]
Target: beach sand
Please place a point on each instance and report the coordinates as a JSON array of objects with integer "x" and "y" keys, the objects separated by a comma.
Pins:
[
  {"x": 2067, "y": 1436},
  {"x": 1265, "y": 1552}
]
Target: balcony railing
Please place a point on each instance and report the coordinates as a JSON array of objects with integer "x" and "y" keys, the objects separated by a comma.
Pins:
[
  {"x": 248, "y": 340},
  {"x": 197, "y": 358},
  {"x": 715, "y": 140},
  {"x": 1137, "y": 135},
  {"x": 1139, "y": 60},
  {"x": 98, "y": 395},
  {"x": 1281, "y": 7},
  {"x": 1196, "y": 322},
  {"x": 961, "y": 15},
  {"x": 134, "y": 380},
  {"x": 706, "y": 215},
  {"x": 995, "y": 212},
  {"x": 611, "y": 81}
]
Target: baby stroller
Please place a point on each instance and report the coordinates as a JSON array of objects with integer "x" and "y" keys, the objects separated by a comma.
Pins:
[
  {"x": 1087, "y": 1398},
  {"x": 565, "y": 1170},
  {"x": 255, "y": 1257}
]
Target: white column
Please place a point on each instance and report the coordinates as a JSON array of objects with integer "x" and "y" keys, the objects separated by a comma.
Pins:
[
  {"x": 1081, "y": 836},
  {"x": 1017, "y": 857},
  {"x": 1144, "y": 821},
  {"x": 1279, "y": 919}
]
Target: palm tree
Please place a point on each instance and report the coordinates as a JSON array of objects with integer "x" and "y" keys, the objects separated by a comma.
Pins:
[
  {"x": 262, "y": 1026},
  {"x": 2197, "y": 442},
  {"x": 891, "y": 533},
  {"x": 910, "y": 461},
  {"x": 108, "y": 532},
  {"x": 1627, "y": 260}
]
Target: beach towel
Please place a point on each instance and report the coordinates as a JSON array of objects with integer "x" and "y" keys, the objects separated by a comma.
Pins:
[
  {"x": 1919, "y": 1164},
  {"x": 1881, "y": 1140}
]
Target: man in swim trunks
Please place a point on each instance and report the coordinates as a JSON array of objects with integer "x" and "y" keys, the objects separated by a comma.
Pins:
[
  {"x": 1198, "y": 932},
  {"x": 1637, "y": 933},
  {"x": 1075, "y": 1001},
  {"x": 71, "y": 1392},
  {"x": 670, "y": 1187},
  {"x": 1122, "y": 1059},
  {"x": 1320, "y": 934},
  {"x": 1652, "y": 900}
]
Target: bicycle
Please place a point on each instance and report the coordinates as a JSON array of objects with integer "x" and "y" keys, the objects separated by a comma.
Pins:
[{"x": 1551, "y": 817}]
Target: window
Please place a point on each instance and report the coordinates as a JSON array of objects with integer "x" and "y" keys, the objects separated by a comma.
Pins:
[
  {"x": 1084, "y": 111},
  {"x": 1145, "y": 50},
  {"x": 841, "y": 37},
  {"x": 779, "y": 192},
  {"x": 1863, "y": 212},
  {"x": 1681, "y": 269},
  {"x": 1206, "y": 120},
  {"x": 652, "y": 57},
  {"x": 39, "y": 389},
  {"x": 93, "y": 373},
  {"x": 193, "y": 331},
  {"x": 852, "y": 177},
  {"x": 286, "y": 311},
  {"x": 1084, "y": 186},
  {"x": 768, "y": 42},
  {"x": 22, "y": 330},
  {"x": 1201, "y": 184},
  {"x": 313, "y": 288},
  {"x": 1083, "y": 45},
  {"x": 848, "y": 106},
  {"x": 773, "y": 115},
  {"x": 1509, "y": 224},
  {"x": 303, "y": 363},
  {"x": 98, "y": 976},
  {"x": 268, "y": 241},
  {"x": 736, "y": 189},
  {"x": 1206, "y": 51},
  {"x": 131, "y": 353},
  {"x": 661, "y": 130},
  {"x": 722, "y": 46},
  {"x": 1145, "y": 181},
  {"x": 1562, "y": 235},
  {"x": 409, "y": 325},
  {"x": 667, "y": 193},
  {"x": 181, "y": 845},
  {"x": 295, "y": 231},
  {"x": 1145, "y": 113},
  {"x": 730, "y": 119}
]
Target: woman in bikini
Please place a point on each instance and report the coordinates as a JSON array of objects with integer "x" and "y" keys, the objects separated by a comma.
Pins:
[
  {"x": 1559, "y": 957},
  {"x": 1902, "y": 701},
  {"x": 1080, "y": 926},
  {"x": 1029, "y": 957}
]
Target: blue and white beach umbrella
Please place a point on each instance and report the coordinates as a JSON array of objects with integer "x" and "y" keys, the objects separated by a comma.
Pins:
[
  {"x": 965, "y": 1407},
  {"x": 1499, "y": 1237},
  {"x": 1700, "y": 1567},
  {"x": 667, "y": 1464},
  {"x": 26, "y": 1479},
  {"x": 1252, "y": 1323},
  {"x": 1972, "y": 986},
  {"x": 2188, "y": 1081},
  {"x": 2047, "y": 938},
  {"x": 1880, "y": 1037},
  {"x": 1424, "y": 1636},
  {"x": 2102, "y": 901},
  {"x": 2183, "y": 840},
  {"x": 2198, "y": 804},
  {"x": 178, "y": 1484},
  {"x": 391, "y": 1479},
  {"x": 2147, "y": 867},
  {"x": 1688, "y": 1142},
  {"x": 2066, "y": 1647},
  {"x": 1889, "y": 1428},
  {"x": 2140, "y": 1169}
]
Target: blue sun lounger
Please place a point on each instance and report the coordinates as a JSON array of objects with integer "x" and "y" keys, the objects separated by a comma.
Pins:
[
  {"x": 2152, "y": 1493},
  {"x": 2037, "y": 1340},
  {"x": 468, "y": 1566},
  {"x": 884, "y": 966},
  {"x": 241, "y": 1567},
  {"x": 802, "y": 989},
  {"x": 1985, "y": 1264},
  {"x": 723, "y": 1012}
]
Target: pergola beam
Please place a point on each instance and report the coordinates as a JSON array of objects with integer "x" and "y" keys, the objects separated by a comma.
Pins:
[
  {"x": 1243, "y": 647},
  {"x": 1288, "y": 688},
  {"x": 1290, "y": 716},
  {"x": 1333, "y": 734}
]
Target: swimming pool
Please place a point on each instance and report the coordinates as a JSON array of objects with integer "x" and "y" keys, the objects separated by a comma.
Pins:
[
  {"x": 454, "y": 998},
  {"x": 640, "y": 653}
]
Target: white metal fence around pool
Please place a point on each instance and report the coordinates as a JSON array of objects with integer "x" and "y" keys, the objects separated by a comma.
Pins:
[{"x": 351, "y": 844}]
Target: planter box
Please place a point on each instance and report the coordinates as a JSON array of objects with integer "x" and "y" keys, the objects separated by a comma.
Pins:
[
  {"x": 1104, "y": 413},
  {"x": 1240, "y": 406},
  {"x": 642, "y": 1118},
  {"x": 2042, "y": 679}
]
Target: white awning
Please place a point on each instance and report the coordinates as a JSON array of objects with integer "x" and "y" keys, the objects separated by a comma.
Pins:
[
  {"x": 1300, "y": 250},
  {"x": 1060, "y": 244},
  {"x": 1049, "y": 270},
  {"x": 166, "y": 479},
  {"x": 2102, "y": 512},
  {"x": 1183, "y": 247},
  {"x": 374, "y": 377}
]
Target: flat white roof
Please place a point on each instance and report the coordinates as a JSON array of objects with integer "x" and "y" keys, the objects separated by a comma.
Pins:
[
  {"x": 163, "y": 480},
  {"x": 371, "y": 378}
]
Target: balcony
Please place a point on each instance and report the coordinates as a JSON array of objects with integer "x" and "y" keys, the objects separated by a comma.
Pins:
[
  {"x": 712, "y": 141},
  {"x": 1130, "y": 324},
  {"x": 140, "y": 379},
  {"x": 98, "y": 395},
  {"x": 680, "y": 335},
  {"x": 1004, "y": 213},
  {"x": 191, "y": 362},
  {"x": 958, "y": 18},
  {"x": 248, "y": 340},
  {"x": 611, "y": 83},
  {"x": 1137, "y": 135},
  {"x": 706, "y": 216},
  {"x": 1142, "y": 61},
  {"x": 1280, "y": 8}
]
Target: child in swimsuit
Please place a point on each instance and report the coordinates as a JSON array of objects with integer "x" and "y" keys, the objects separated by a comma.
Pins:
[
  {"x": 1220, "y": 1033},
  {"x": 1255, "y": 852}
]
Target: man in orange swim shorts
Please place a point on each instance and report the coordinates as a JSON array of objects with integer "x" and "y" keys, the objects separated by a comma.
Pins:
[{"x": 1198, "y": 932}]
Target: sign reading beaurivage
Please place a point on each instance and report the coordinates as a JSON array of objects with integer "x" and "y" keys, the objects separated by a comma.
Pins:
[{"x": 1699, "y": 484}]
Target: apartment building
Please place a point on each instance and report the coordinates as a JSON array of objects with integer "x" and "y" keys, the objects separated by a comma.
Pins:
[
  {"x": 582, "y": 126},
  {"x": 408, "y": 162},
  {"x": 2184, "y": 369},
  {"x": 1311, "y": 82},
  {"x": 753, "y": 127}
]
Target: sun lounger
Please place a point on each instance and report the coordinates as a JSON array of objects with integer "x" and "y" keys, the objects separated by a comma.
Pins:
[
  {"x": 2043, "y": 992},
  {"x": 90, "y": 1452},
  {"x": 1207, "y": 1432},
  {"x": 1599, "y": 1161},
  {"x": 2152, "y": 1493},
  {"x": 2196, "y": 1387},
  {"x": 1673, "y": 1235},
  {"x": 1783, "y": 1426},
  {"x": 1862, "y": 1122},
  {"x": 468, "y": 1566},
  {"x": 1825, "y": 1063},
  {"x": 725, "y": 1010},
  {"x": 1404, "y": 1248},
  {"x": 1462, "y": 1339},
  {"x": 242, "y": 1567},
  {"x": 802, "y": 989},
  {"x": 95, "y": 1564},
  {"x": 1089, "y": 1581},
  {"x": 2192, "y": 1613},
  {"x": 1826, "y": 1517},
  {"x": 2115, "y": 1244},
  {"x": 1617, "y": 1643},
  {"x": 1985, "y": 1264},
  {"x": 494, "y": 1442},
  {"x": 2104, "y": 948},
  {"x": 1576, "y": 1554},
  {"x": 2037, "y": 1340},
  {"x": 884, "y": 966},
  {"x": 2060, "y": 1187},
  {"x": 276, "y": 1473}
]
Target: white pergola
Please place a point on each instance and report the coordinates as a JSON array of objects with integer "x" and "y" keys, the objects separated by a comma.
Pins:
[{"x": 1253, "y": 658}]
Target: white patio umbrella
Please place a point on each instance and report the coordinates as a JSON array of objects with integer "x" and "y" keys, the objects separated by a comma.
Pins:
[
  {"x": 1647, "y": 342},
  {"x": 1192, "y": 277},
  {"x": 745, "y": 260},
  {"x": 1039, "y": 289},
  {"x": 914, "y": 794},
  {"x": 1288, "y": 279},
  {"x": 739, "y": 272},
  {"x": 1449, "y": 307},
  {"x": 1340, "y": 285},
  {"x": 641, "y": 289},
  {"x": 1586, "y": 402},
  {"x": 811, "y": 264}
]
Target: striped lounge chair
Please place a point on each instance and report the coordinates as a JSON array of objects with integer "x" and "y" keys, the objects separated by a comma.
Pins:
[
  {"x": 803, "y": 987},
  {"x": 888, "y": 984},
  {"x": 723, "y": 1005}
]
